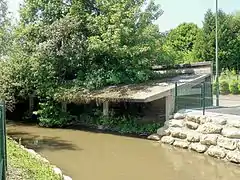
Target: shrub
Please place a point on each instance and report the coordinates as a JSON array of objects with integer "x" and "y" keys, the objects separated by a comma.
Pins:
[
  {"x": 233, "y": 87},
  {"x": 224, "y": 87},
  {"x": 51, "y": 115},
  {"x": 214, "y": 87}
]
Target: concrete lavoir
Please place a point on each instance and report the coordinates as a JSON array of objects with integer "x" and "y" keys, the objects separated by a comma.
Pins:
[{"x": 217, "y": 135}]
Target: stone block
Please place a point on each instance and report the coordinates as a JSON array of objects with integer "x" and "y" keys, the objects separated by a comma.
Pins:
[
  {"x": 204, "y": 119},
  {"x": 167, "y": 140},
  {"x": 192, "y": 118},
  {"x": 178, "y": 133},
  {"x": 176, "y": 123},
  {"x": 217, "y": 152},
  {"x": 226, "y": 143},
  {"x": 198, "y": 147},
  {"x": 193, "y": 137},
  {"x": 231, "y": 132},
  {"x": 58, "y": 171},
  {"x": 192, "y": 125},
  {"x": 66, "y": 177},
  {"x": 209, "y": 128},
  {"x": 233, "y": 156},
  {"x": 234, "y": 123},
  {"x": 154, "y": 137},
  {"x": 179, "y": 116},
  {"x": 209, "y": 139},
  {"x": 219, "y": 121},
  {"x": 163, "y": 132},
  {"x": 181, "y": 143}
]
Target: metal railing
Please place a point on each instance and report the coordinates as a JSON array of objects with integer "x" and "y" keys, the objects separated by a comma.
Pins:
[{"x": 194, "y": 96}]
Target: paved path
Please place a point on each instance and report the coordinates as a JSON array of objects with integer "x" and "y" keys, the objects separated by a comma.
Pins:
[{"x": 230, "y": 104}]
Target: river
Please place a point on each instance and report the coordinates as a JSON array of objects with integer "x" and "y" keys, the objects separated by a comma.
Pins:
[{"x": 87, "y": 156}]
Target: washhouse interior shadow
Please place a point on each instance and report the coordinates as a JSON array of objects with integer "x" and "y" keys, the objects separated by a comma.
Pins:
[{"x": 39, "y": 143}]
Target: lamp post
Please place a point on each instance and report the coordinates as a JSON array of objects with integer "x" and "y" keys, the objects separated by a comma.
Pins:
[{"x": 216, "y": 56}]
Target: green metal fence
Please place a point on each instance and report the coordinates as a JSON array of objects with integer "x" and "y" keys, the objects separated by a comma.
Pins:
[
  {"x": 3, "y": 146},
  {"x": 194, "y": 96}
]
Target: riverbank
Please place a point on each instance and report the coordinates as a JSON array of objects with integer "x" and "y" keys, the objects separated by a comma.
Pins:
[
  {"x": 216, "y": 135},
  {"x": 23, "y": 165}
]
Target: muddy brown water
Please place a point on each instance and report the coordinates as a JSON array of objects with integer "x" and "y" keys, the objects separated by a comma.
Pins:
[{"x": 88, "y": 156}]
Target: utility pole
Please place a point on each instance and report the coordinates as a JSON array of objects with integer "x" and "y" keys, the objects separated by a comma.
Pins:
[{"x": 216, "y": 56}]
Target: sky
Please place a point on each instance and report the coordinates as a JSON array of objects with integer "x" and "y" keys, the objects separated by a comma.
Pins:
[{"x": 175, "y": 11}]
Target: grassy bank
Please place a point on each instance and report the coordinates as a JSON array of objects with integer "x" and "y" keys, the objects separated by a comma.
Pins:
[{"x": 23, "y": 166}]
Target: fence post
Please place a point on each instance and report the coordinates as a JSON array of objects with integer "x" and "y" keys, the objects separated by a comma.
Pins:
[
  {"x": 203, "y": 97},
  {"x": 3, "y": 145},
  {"x": 175, "y": 97}
]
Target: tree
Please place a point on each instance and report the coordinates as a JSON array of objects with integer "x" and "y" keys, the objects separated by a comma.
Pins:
[
  {"x": 5, "y": 30},
  {"x": 75, "y": 45},
  {"x": 182, "y": 39},
  {"x": 228, "y": 35}
]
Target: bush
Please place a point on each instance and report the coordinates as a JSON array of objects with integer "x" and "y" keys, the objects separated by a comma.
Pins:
[
  {"x": 224, "y": 87},
  {"x": 233, "y": 87},
  {"x": 51, "y": 115},
  {"x": 214, "y": 87}
]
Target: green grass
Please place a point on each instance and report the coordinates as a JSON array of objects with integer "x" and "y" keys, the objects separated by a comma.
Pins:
[{"x": 24, "y": 166}]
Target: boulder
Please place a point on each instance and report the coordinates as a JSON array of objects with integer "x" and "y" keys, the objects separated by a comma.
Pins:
[
  {"x": 198, "y": 147},
  {"x": 154, "y": 137},
  {"x": 167, "y": 140},
  {"x": 217, "y": 152},
  {"x": 209, "y": 139},
  {"x": 233, "y": 156},
  {"x": 181, "y": 143},
  {"x": 219, "y": 121},
  {"x": 176, "y": 123},
  {"x": 192, "y": 118},
  {"x": 233, "y": 133},
  {"x": 234, "y": 123},
  {"x": 192, "y": 125},
  {"x": 178, "y": 133},
  {"x": 179, "y": 116},
  {"x": 204, "y": 119},
  {"x": 58, "y": 171},
  {"x": 66, "y": 177},
  {"x": 209, "y": 128},
  {"x": 163, "y": 132},
  {"x": 193, "y": 137},
  {"x": 226, "y": 143}
]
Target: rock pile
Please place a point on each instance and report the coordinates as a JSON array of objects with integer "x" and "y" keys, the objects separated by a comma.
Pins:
[{"x": 217, "y": 135}]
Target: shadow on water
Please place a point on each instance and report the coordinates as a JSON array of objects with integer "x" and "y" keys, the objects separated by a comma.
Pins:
[
  {"x": 105, "y": 131},
  {"x": 39, "y": 143}
]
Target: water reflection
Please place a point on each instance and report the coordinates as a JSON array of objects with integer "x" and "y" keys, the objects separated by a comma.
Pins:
[{"x": 88, "y": 156}]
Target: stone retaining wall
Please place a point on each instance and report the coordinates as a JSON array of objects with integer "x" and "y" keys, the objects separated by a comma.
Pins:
[
  {"x": 56, "y": 170},
  {"x": 216, "y": 135}
]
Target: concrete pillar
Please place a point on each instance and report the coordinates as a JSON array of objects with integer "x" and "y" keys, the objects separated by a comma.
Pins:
[
  {"x": 105, "y": 108},
  {"x": 31, "y": 104},
  {"x": 169, "y": 106}
]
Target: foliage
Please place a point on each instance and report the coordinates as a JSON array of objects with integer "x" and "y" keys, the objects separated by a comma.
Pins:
[
  {"x": 122, "y": 125},
  {"x": 233, "y": 87},
  {"x": 181, "y": 40},
  {"x": 26, "y": 166},
  {"x": 228, "y": 40},
  {"x": 224, "y": 87},
  {"x": 51, "y": 115},
  {"x": 79, "y": 44}
]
